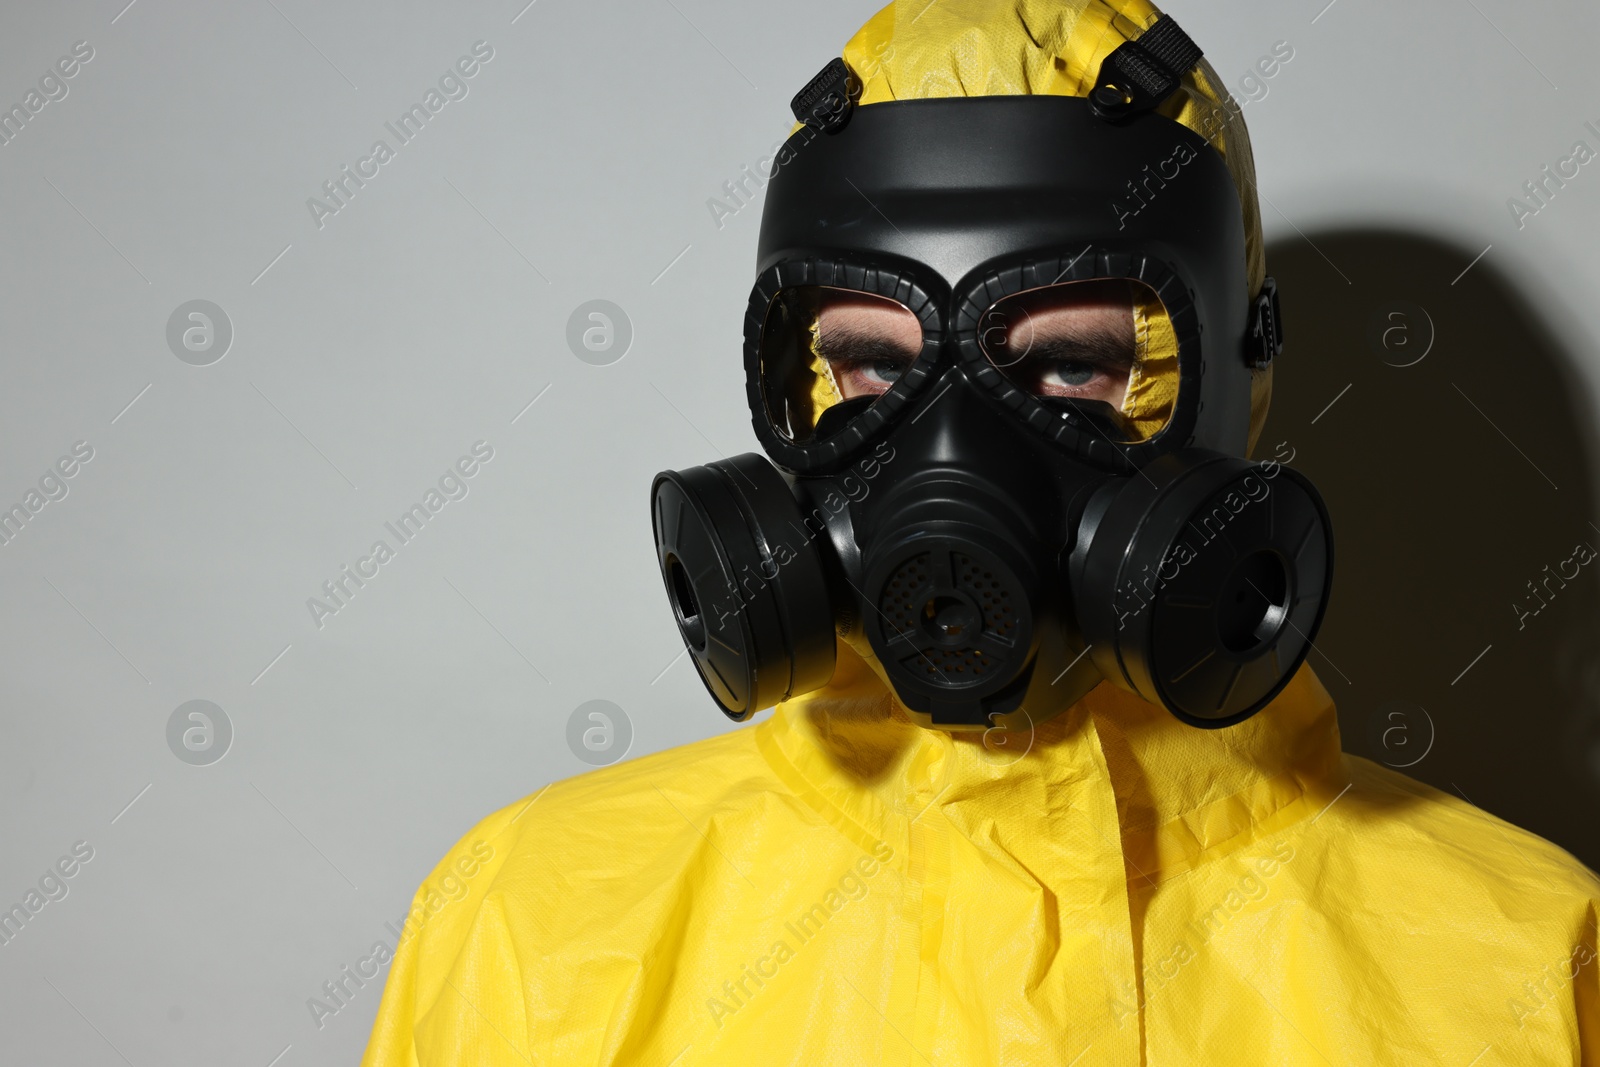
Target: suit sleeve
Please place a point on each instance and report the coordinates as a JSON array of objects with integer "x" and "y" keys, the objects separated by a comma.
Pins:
[{"x": 433, "y": 1012}]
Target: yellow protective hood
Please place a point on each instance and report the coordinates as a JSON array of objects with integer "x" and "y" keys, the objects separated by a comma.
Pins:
[{"x": 836, "y": 885}]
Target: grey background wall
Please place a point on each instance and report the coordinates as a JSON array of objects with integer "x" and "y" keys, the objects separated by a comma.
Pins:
[{"x": 348, "y": 359}]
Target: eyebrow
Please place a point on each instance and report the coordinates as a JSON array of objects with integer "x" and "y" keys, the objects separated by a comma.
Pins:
[
  {"x": 1096, "y": 346},
  {"x": 847, "y": 345}
]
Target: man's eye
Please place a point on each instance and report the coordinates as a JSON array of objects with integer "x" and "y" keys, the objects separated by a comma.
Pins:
[
  {"x": 1068, "y": 373},
  {"x": 869, "y": 375},
  {"x": 884, "y": 370}
]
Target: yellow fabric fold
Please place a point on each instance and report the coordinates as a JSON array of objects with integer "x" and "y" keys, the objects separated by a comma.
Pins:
[{"x": 837, "y": 885}]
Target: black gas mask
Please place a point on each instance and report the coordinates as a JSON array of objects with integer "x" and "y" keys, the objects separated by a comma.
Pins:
[{"x": 946, "y": 486}]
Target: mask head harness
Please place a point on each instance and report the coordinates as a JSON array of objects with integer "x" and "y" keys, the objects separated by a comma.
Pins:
[{"x": 1002, "y": 540}]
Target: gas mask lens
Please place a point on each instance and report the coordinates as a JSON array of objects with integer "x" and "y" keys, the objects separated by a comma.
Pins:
[
  {"x": 1105, "y": 347},
  {"x": 827, "y": 354}
]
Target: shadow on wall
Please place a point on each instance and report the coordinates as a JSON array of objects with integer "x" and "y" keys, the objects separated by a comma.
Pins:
[{"x": 1453, "y": 440}]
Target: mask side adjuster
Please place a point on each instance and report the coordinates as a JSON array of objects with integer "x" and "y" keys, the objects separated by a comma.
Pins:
[{"x": 1265, "y": 341}]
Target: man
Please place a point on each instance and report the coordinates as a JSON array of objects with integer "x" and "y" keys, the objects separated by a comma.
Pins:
[{"x": 1023, "y": 810}]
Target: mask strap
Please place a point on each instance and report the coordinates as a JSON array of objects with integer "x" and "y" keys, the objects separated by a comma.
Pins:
[
  {"x": 1140, "y": 75},
  {"x": 828, "y": 98}
]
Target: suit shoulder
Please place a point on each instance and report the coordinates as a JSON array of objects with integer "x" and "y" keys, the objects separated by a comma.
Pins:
[
  {"x": 702, "y": 774},
  {"x": 593, "y": 844},
  {"x": 1450, "y": 837}
]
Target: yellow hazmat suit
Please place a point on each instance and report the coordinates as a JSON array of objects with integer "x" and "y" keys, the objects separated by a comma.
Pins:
[{"x": 838, "y": 885}]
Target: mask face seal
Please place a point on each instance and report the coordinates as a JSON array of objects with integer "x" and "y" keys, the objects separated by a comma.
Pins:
[{"x": 1005, "y": 418}]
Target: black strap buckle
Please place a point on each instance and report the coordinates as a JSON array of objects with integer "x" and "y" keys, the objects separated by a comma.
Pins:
[
  {"x": 827, "y": 100},
  {"x": 1265, "y": 341},
  {"x": 1141, "y": 74}
]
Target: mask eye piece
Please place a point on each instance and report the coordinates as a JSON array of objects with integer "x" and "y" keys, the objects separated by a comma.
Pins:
[
  {"x": 823, "y": 348},
  {"x": 1104, "y": 348}
]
